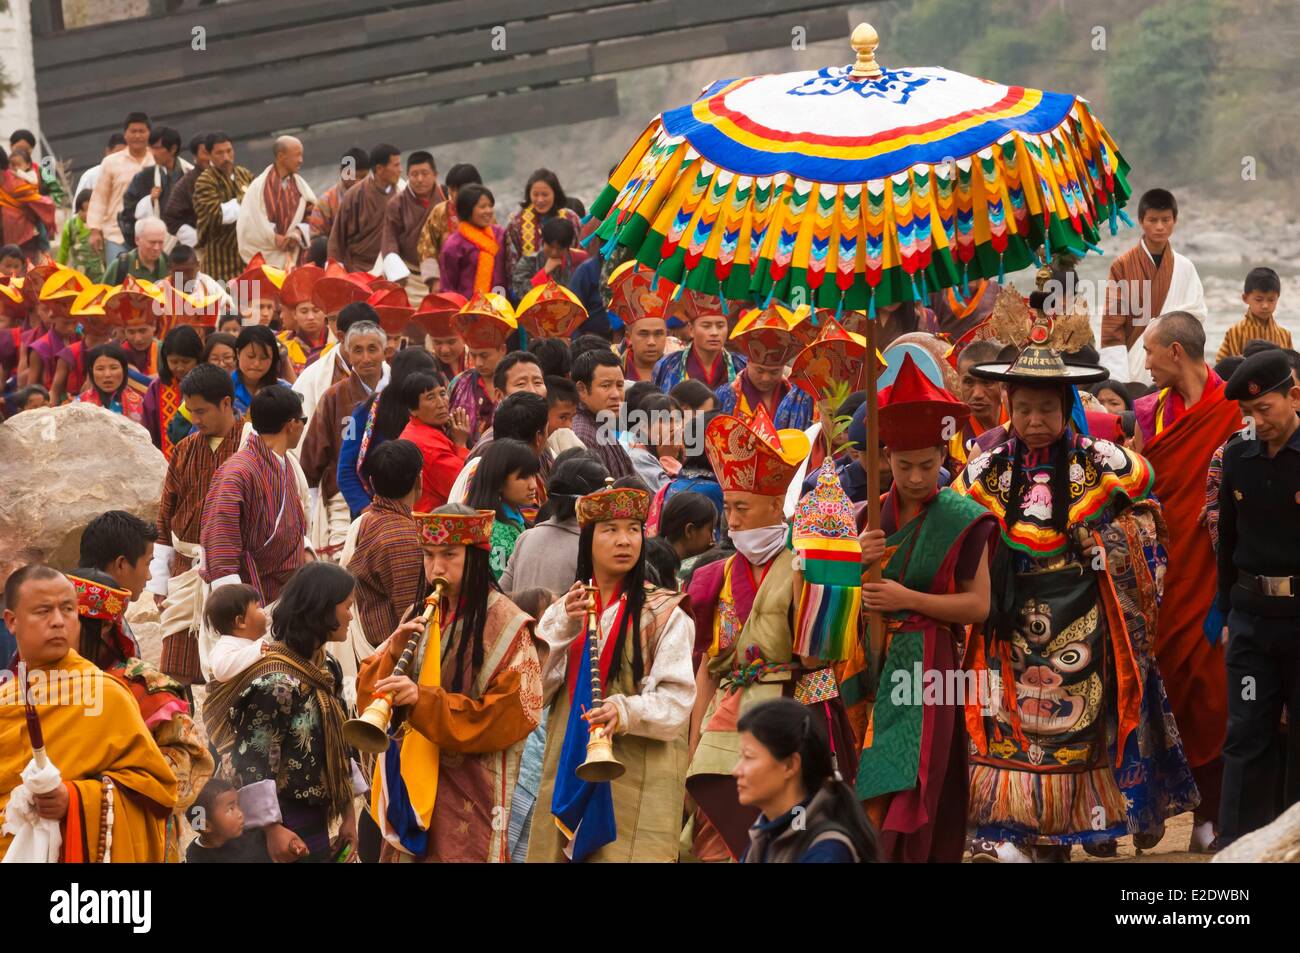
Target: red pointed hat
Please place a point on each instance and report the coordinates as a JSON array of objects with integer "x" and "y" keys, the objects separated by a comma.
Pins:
[
  {"x": 394, "y": 309},
  {"x": 436, "y": 312},
  {"x": 752, "y": 456},
  {"x": 300, "y": 285},
  {"x": 915, "y": 414},
  {"x": 550, "y": 311},
  {"x": 634, "y": 296},
  {"x": 336, "y": 288}
]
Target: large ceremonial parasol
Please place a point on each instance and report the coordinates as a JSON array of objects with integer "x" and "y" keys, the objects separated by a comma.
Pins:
[{"x": 856, "y": 186}]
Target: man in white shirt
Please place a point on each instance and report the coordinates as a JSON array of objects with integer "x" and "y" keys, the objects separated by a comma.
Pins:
[{"x": 115, "y": 175}]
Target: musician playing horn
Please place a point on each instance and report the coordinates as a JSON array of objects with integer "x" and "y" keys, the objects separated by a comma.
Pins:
[
  {"x": 644, "y": 640},
  {"x": 464, "y": 709}
]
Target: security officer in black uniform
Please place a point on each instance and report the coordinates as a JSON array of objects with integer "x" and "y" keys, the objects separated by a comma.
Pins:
[{"x": 1259, "y": 593}]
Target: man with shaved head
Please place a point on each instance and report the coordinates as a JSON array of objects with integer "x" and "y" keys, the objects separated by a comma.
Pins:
[
  {"x": 146, "y": 260},
  {"x": 1181, "y": 426},
  {"x": 109, "y": 765},
  {"x": 273, "y": 215}
]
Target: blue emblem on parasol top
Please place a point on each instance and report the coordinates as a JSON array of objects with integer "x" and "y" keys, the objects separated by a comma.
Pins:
[{"x": 895, "y": 86}]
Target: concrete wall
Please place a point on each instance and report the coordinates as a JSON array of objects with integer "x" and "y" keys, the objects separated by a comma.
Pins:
[{"x": 18, "y": 110}]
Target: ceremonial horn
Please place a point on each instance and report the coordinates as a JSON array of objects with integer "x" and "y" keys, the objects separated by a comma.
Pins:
[
  {"x": 601, "y": 765},
  {"x": 369, "y": 731}
]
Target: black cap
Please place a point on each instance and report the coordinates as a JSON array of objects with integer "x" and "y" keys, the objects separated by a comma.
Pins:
[{"x": 1260, "y": 374}]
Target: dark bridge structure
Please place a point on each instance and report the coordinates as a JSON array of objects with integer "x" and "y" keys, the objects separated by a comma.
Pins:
[{"x": 334, "y": 72}]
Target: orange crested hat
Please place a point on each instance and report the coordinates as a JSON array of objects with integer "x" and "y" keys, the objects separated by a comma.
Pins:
[
  {"x": 855, "y": 322},
  {"x": 53, "y": 274},
  {"x": 336, "y": 288},
  {"x": 833, "y": 360},
  {"x": 133, "y": 299},
  {"x": 61, "y": 284},
  {"x": 300, "y": 284},
  {"x": 393, "y": 307},
  {"x": 753, "y": 456},
  {"x": 197, "y": 309},
  {"x": 634, "y": 296},
  {"x": 686, "y": 305},
  {"x": 437, "y": 312},
  {"x": 258, "y": 282},
  {"x": 550, "y": 311},
  {"x": 915, "y": 413},
  {"x": 11, "y": 300},
  {"x": 613, "y": 503},
  {"x": 486, "y": 321},
  {"x": 767, "y": 336},
  {"x": 456, "y": 529}
]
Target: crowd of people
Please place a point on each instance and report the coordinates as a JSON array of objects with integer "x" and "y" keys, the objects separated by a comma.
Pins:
[{"x": 536, "y": 498}]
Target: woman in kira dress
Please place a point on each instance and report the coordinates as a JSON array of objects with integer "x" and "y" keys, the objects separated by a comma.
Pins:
[
  {"x": 110, "y": 384},
  {"x": 180, "y": 353},
  {"x": 259, "y": 362},
  {"x": 505, "y": 483},
  {"x": 643, "y": 642},
  {"x": 464, "y": 715},
  {"x": 296, "y": 773}
]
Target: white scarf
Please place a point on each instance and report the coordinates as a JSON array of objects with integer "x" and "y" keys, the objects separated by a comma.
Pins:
[{"x": 760, "y": 546}]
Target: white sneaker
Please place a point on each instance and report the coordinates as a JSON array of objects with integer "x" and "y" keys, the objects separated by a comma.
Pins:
[
  {"x": 998, "y": 852},
  {"x": 1202, "y": 838}
]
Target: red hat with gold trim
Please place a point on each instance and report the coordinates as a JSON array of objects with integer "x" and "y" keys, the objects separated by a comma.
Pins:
[
  {"x": 198, "y": 309},
  {"x": 634, "y": 295},
  {"x": 12, "y": 305},
  {"x": 300, "y": 284},
  {"x": 486, "y": 321},
  {"x": 550, "y": 311},
  {"x": 915, "y": 413},
  {"x": 832, "y": 361},
  {"x": 613, "y": 503},
  {"x": 689, "y": 306},
  {"x": 753, "y": 456},
  {"x": 133, "y": 299},
  {"x": 336, "y": 288},
  {"x": 38, "y": 276},
  {"x": 258, "y": 282},
  {"x": 855, "y": 322},
  {"x": 89, "y": 305},
  {"x": 61, "y": 286},
  {"x": 456, "y": 529},
  {"x": 105, "y": 603},
  {"x": 437, "y": 312},
  {"x": 394, "y": 309},
  {"x": 766, "y": 335}
]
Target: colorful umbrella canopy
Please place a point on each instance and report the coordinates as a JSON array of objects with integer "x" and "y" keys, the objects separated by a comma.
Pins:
[{"x": 853, "y": 186}]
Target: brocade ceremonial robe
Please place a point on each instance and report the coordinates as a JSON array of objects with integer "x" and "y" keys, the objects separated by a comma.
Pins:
[
  {"x": 1078, "y": 743},
  {"x": 654, "y": 717},
  {"x": 480, "y": 732}
]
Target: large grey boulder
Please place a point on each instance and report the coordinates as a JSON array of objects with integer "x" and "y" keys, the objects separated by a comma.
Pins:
[
  {"x": 1278, "y": 843},
  {"x": 60, "y": 468}
]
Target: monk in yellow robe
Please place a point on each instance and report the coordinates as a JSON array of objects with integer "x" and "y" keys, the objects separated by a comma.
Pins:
[{"x": 92, "y": 731}]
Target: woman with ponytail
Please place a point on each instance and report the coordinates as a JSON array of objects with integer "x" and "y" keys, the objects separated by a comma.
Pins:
[
  {"x": 643, "y": 641},
  {"x": 788, "y": 771}
]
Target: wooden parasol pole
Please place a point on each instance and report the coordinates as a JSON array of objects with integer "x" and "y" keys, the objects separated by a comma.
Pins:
[{"x": 875, "y": 621}]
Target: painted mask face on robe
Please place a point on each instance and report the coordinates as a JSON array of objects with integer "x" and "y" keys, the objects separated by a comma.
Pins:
[{"x": 1055, "y": 656}]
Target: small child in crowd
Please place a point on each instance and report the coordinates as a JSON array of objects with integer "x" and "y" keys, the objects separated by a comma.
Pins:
[
  {"x": 235, "y": 613},
  {"x": 217, "y": 818}
]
